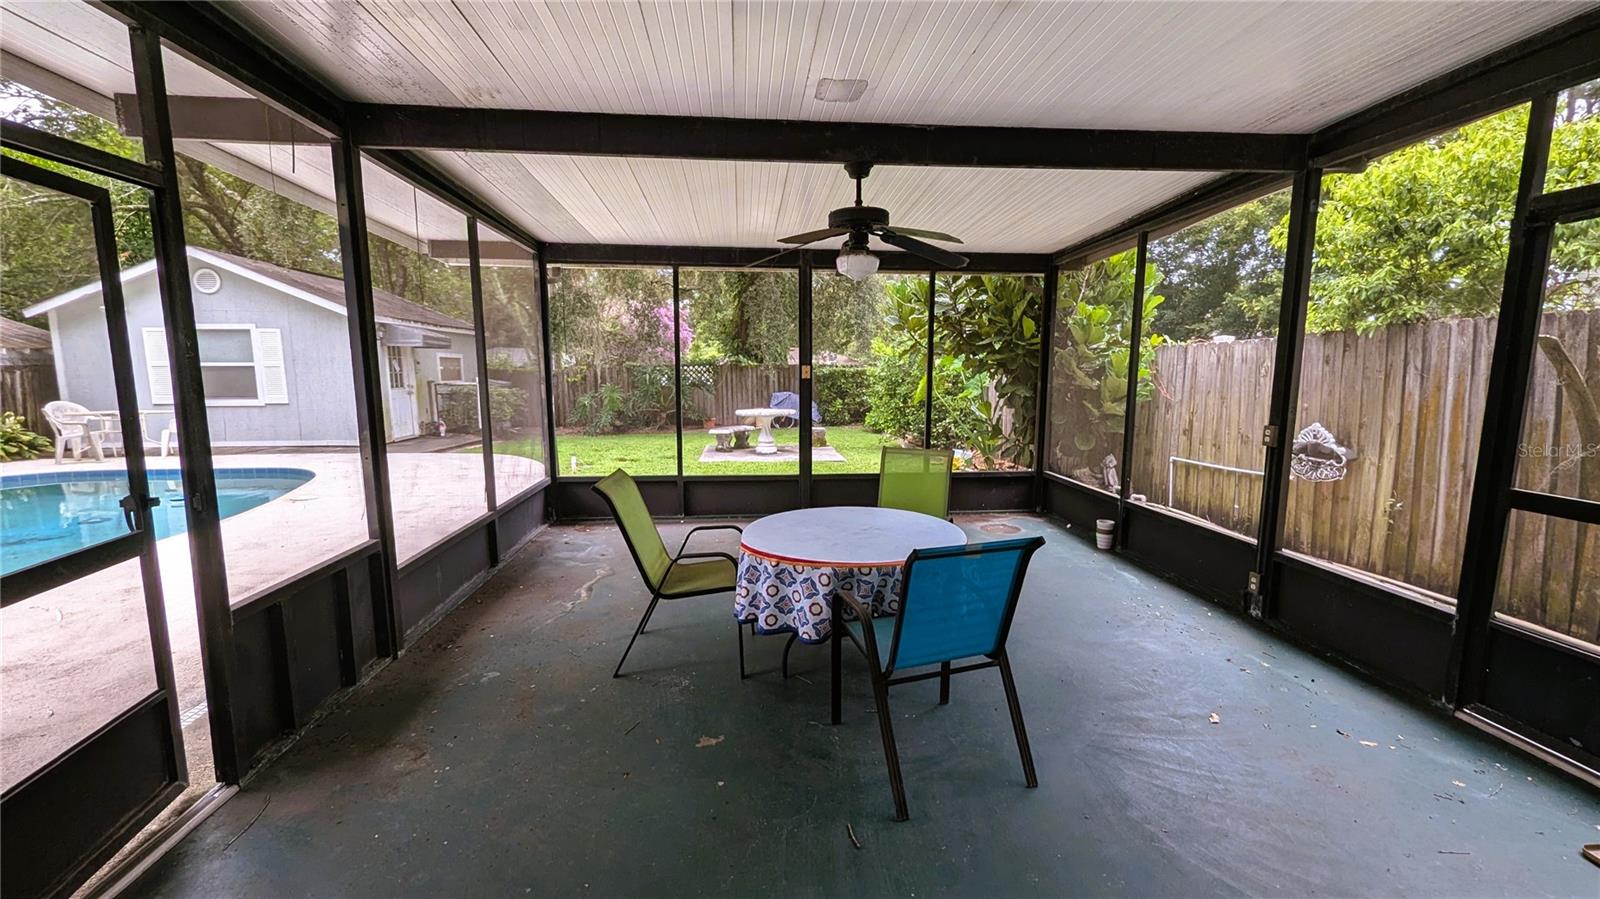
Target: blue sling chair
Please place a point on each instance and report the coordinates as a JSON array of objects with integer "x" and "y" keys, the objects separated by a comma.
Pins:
[{"x": 956, "y": 602}]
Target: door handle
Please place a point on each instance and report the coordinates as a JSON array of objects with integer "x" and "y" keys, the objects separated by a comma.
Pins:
[{"x": 130, "y": 505}]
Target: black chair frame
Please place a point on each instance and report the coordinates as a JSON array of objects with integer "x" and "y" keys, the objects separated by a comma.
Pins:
[
  {"x": 657, "y": 593},
  {"x": 883, "y": 676}
]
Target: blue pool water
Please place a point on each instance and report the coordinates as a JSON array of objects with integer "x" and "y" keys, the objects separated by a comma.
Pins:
[{"x": 47, "y": 515}]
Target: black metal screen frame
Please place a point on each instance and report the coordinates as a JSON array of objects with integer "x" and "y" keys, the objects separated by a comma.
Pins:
[{"x": 139, "y": 543}]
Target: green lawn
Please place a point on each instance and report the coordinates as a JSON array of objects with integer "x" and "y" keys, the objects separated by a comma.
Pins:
[{"x": 651, "y": 453}]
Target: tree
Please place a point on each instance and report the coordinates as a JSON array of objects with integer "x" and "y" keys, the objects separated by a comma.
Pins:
[
  {"x": 986, "y": 328},
  {"x": 1089, "y": 368},
  {"x": 600, "y": 315},
  {"x": 744, "y": 316},
  {"x": 1224, "y": 275},
  {"x": 1422, "y": 233},
  {"x": 49, "y": 238},
  {"x": 225, "y": 212}
]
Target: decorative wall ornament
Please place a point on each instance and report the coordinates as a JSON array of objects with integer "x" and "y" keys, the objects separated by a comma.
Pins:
[{"x": 1317, "y": 455}]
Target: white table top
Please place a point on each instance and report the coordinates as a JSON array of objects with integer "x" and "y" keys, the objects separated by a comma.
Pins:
[
  {"x": 763, "y": 412},
  {"x": 847, "y": 536}
]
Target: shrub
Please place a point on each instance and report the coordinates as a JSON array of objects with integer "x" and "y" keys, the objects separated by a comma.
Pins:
[
  {"x": 458, "y": 408},
  {"x": 896, "y": 392},
  {"x": 17, "y": 443},
  {"x": 508, "y": 407},
  {"x": 646, "y": 405},
  {"x": 600, "y": 411},
  {"x": 843, "y": 392}
]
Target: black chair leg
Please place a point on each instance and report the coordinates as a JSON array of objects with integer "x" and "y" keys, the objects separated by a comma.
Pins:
[
  {"x": 636, "y": 632},
  {"x": 738, "y": 628},
  {"x": 891, "y": 753},
  {"x": 944, "y": 683},
  {"x": 836, "y": 662},
  {"x": 1016, "y": 720},
  {"x": 786, "y": 647}
]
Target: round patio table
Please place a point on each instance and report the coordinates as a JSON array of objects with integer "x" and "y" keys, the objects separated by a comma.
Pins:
[
  {"x": 763, "y": 417},
  {"x": 792, "y": 564}
]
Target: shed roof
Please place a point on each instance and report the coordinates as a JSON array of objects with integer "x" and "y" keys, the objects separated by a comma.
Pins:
[
  {"x": 385, "y": 305},
  {"x": 319, "y": 289},
  {"x": 15, "y": 335}
]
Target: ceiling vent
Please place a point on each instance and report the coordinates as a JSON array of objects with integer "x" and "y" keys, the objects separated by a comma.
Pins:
[
  {"x": 206, "y": 280},
  {"x": 840, "y": 90}
]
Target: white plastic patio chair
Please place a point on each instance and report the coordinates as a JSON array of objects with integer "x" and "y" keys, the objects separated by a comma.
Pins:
[{"x": 75, "y": 426}]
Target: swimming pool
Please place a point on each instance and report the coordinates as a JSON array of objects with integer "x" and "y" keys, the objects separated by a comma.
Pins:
[{"x": 52, "y": 513}]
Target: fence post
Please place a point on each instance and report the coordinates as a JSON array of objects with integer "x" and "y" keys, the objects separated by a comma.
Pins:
[{"x": 1303, "y": 204}]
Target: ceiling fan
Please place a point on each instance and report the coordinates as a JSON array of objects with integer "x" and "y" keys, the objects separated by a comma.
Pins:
[{"x": 856, "y": 261}]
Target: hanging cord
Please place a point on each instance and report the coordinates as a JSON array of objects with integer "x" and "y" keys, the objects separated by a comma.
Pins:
[
  {"x": 266, "y": 123},
  {"x": 416, "y": 223}
]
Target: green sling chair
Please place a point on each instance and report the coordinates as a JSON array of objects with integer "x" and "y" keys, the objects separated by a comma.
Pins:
[
  {"x": 669, "y": 576},
  {"x": 912, "y": 479},
  {"x": 915, "y": 480}
]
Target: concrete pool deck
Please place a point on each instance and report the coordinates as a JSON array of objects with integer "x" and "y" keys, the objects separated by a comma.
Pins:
[{"x": 76, "y": 656}]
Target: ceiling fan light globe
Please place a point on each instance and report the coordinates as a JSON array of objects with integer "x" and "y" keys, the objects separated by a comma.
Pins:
[{"x": 857, "y": 265}]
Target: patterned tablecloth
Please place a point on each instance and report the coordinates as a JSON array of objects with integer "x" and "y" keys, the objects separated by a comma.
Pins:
[
  {"x": 784, "y": 596},
  {"x": 793, "y": 563}
]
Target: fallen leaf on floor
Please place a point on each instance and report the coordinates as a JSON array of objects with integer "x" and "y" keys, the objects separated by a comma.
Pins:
[
  {"x": 1367, "y": 743},
  {"x": 1215, "y": 718},
  {"x": 703, "y": 742}
]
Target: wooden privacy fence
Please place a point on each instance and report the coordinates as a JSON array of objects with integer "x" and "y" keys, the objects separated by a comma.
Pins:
[
  {"x": 710, "y": 391},
  {"x": 1408, "y": 401},
  {"x": 27, "y": 382}
]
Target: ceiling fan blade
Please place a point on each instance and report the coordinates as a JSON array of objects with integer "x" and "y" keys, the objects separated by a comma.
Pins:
[
  {"x": 814, "y": 236},
  {"x": 942, "y": 258},
  {"x": 925, "y": 234}
]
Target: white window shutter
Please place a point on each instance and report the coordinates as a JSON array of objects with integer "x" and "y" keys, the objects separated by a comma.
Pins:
[
  {"x": 272, "y": 374},
  {"x": 157, "y": 367}
]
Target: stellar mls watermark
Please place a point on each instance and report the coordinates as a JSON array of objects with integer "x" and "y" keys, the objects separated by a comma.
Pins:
[{"x": 1556, "y": 450}]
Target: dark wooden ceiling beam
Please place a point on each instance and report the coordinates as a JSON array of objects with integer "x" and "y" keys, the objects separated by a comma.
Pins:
[
  {"x": 595, "y": 254},
  {"x": 689, "y": 137}
]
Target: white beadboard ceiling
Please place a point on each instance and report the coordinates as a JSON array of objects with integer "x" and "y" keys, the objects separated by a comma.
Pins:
[
  {"x": 697, "y": 202},
  {"x": 1290, "y": 65},
  {"x": 1279, "y": 66}
]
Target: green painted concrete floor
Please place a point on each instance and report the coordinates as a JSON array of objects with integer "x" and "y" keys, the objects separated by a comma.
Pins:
[{"x": 499, "y": 757}]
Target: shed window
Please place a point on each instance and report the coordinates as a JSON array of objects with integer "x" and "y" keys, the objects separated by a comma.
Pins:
[
  {"x": 450, "y": 368},
  {"x": 240, "y": 365}
]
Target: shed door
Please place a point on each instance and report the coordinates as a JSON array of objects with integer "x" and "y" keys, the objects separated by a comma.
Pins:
[{"x": 402, "y": 374}]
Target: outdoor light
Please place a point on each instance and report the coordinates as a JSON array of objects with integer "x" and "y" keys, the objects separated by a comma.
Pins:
[{"x": 857, "y": 264}]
